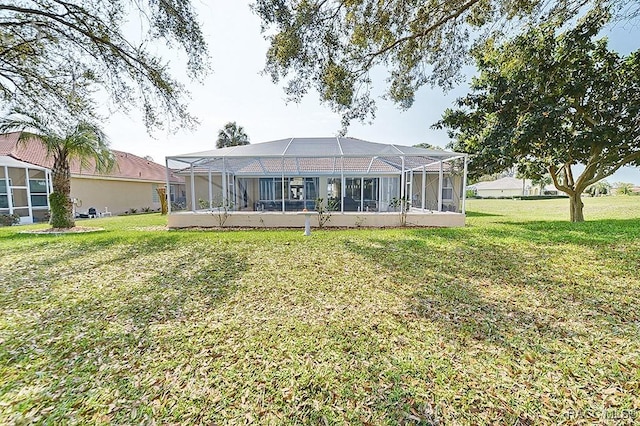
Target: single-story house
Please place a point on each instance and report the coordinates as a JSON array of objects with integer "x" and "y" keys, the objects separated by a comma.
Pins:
[
  {"x": 360, "y": 183},
  {"x": 510, "y": 187},
  {"x": 132, "y": 183}
]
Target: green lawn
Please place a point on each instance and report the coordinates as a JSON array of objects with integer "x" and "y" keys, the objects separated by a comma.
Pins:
[{"x": 519, "y": 318}]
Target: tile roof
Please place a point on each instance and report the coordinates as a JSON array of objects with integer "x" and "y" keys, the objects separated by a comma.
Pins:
[{"x": 128, "y": 166}]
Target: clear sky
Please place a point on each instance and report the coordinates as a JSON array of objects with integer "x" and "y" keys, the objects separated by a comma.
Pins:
[{"x": 235, "y": 91}]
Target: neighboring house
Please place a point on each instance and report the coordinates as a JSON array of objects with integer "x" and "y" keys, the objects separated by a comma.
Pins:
[
  {"x": 350, "y": 175},
  {"x": 131, "y": 184},
  {"x": 510, "y": 187},
  {"x": 503, "y": 187}
]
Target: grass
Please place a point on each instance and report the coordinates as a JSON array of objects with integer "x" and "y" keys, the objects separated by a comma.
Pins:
[{"x": 518, "y": 318}]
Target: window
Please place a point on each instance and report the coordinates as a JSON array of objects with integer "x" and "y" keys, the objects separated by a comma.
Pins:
[
  {"x": 447, "y": 189},
  {"x": 38, "y": 200},
  {"x": 271, "y": 189},
  {"x": 155, "y": 198},
  {"x": 299, "y": 193},
  {"x": 4, "y": 199},
  {"x": 311, "y": 188},
  {"x": 38, "y": 188}
]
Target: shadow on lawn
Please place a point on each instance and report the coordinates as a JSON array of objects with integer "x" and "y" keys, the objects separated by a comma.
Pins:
[
  {"x": 481, "y": 214},
  {"x": 443, "y": 274},
  {"x": 95, "y": 304},
  {"x": 590, "y": 233},
  {"x": 153, "y": 279}
]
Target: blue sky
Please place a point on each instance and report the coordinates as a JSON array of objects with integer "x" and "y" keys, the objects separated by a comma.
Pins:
[{"x": 235, "y": 91}]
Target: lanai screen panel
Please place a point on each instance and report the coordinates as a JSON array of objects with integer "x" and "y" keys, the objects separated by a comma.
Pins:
[{"x": 314, "y": 147}]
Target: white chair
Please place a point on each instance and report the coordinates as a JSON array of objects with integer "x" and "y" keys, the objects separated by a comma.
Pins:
[{"x": 106, "y": 212}]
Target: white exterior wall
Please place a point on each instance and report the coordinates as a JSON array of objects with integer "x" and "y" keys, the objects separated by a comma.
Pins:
[{"x": 499, "y": 192}]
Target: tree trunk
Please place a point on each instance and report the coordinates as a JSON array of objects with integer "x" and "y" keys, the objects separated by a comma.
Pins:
[
  {"x": 60, "y": 200},
  {"x": 576, "y": 206}
]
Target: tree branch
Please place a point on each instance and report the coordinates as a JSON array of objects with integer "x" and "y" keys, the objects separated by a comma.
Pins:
[
  {"x": 424, "y": 33},
  {"x": 553, "y": 171}
]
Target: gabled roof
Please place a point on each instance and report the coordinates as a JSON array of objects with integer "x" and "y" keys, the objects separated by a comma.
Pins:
[{"x": 128, "y": 166}]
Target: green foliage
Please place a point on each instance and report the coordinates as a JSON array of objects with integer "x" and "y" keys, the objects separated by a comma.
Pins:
[
  {"x": 599, "y": 188},
  {"x": 56, "y": 53},
  {"x": 425, "y": 145},
  {"x": 334, "y": 46},
  {"x": 519, "y": 318},
  {"x": 9, "y": 219},
  {"x": 64, "y": 141},
  {"x": 232, "y": 135},
  {"x": 401, "y": 204},
  {"x": 547, "y": 102},
  {"x": 324, "y": 212},
  {"x": 624, "y": 188},
  {"x": 202, "y": 203},
  {"x": 221, "y": 209}
]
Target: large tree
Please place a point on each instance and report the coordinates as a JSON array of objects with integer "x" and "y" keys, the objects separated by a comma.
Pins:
[
  {"x": 549, "y": 102},
  {"x": 50, "y": 48},
  {"x": 82, "y": 141},
  {"x": 333, "y": 46},
  {"x": 231, "y": 135}
]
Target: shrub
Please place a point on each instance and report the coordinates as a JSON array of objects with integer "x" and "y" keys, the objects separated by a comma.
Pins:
[{"x": 9, "y": 219}]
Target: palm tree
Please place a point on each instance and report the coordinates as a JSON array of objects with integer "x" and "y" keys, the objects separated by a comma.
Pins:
[
  {"x": 624, "y": 188},
  {"x": 599, "y": 188},
  {"x": 231, "y": 135},
  {"x": 83, "y": 141},
  {"x": 541, "y": 182}
]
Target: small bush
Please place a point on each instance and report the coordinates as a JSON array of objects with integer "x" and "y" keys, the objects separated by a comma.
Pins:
[{"x": 9, "y": 219}]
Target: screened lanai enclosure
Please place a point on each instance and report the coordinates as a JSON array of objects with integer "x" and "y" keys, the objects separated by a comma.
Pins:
[
  {"x": 24, "y": 190},
  {"x": 351, "y": 181}
]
